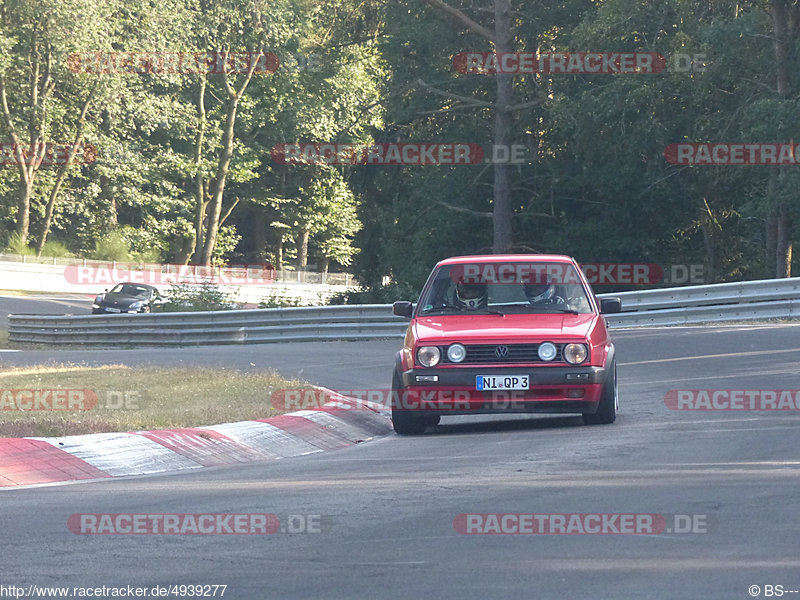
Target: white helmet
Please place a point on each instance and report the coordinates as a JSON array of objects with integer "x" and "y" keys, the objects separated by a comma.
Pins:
[
  {"x": 540, "y": 293},
  {"x": 472, "y": 296}
]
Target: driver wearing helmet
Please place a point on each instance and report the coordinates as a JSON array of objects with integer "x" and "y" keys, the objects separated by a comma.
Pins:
[
  {"x": 472, "y": 296},
  {"x": 542, "y": 293}
]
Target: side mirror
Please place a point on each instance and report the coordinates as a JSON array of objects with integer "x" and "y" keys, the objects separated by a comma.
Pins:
[
  {"x": 403, "y": 309},
  {"x": 610, "y": 305}
]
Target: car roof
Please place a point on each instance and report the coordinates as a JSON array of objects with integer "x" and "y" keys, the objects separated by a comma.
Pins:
[
  {"x": 144, "y": 285},
  {"x": 499, "y": 258}
]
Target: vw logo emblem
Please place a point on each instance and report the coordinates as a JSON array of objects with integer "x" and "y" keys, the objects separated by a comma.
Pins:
[{"x": 501, "y": 351}]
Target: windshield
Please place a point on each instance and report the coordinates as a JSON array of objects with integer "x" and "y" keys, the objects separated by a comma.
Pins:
[
  {"x": 506, "y": 288},
  {"x": 129, "y": 289}
]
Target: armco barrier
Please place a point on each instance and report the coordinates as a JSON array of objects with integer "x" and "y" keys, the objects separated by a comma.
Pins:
[
  {"x": 773, "y": 298},
  {"x": 356, "y": 322}
]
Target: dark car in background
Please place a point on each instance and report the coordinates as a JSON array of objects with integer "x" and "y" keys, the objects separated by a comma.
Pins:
[{"x": 127, "y": 298}]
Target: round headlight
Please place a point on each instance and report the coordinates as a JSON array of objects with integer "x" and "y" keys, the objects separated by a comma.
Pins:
[
  {"x": 547, "y": 351},
  {"x": 575, "y": 354},
  {"x": 429, "y": 356},
  {"x": 456, "y": 353}
]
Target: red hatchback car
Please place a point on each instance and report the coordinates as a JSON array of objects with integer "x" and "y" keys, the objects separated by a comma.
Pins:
[{"x": 505, "y": 334}]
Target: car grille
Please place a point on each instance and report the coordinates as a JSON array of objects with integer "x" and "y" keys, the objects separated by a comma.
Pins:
[{"x": 517, "y": 353}]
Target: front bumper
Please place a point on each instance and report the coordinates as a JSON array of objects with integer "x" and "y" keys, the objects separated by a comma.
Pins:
[
  {"x": 103, "y": 310},
  {"x": 553, "y": 389}
]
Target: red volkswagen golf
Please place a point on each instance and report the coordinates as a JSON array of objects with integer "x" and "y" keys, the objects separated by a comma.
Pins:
[{"x": 505, "y": 334}]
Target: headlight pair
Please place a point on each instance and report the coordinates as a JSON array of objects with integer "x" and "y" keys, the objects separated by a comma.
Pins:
[
  {"x": 430, "y": 356},
  {"x": 574, "y": 354}
]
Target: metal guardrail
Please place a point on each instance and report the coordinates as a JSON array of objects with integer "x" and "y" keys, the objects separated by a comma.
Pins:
[
  {"x": 303, "y": 324},
  {"x": 739, "y": 301},
  {"x": 773, "y": 298}
]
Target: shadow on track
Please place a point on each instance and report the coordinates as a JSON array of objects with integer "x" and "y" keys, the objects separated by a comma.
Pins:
[{"x": 504, "y": 425}]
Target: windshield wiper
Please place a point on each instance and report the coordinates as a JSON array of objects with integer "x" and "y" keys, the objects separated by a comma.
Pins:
[
  {"x": 548, "y": 308},
  {"x": 482, "y": 311},
  {"x": 433, "y": 309}
]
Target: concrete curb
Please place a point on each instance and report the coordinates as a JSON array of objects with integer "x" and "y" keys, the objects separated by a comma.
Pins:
[{"x": 338, "y": 424}]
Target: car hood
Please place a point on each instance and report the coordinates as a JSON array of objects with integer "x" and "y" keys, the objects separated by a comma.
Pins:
[
  {"x": 509, "y": 328},
  {"x": 121, "y": 300}
]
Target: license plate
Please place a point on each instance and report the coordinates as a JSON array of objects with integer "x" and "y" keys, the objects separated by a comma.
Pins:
[
  {"x": 114, "y": 310},
  {"x": 502, "y": 382}
]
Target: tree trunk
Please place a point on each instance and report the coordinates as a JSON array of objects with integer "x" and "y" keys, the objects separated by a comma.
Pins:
[
  {"x": 279, "y": 255},
  {"x": 24, "y": 209},
  {"x": 302, "y": 249},
  {"x": 770, "y": 231},
  {"x": 502, "y": 209},
  {"x": 215, "y": 207},
  {"x": 41, "y": 85},
  {"x": 779, "y": 11},
  {"x": 783, "y": 244},
  {"x": 259, "y": 232},
  {"x": 710, "y": 244},
  {"x": 62, "y": 173},
  {"x": 112, "y": 212},
  {"x": 199, "y": 183},
  {"x": 502, "y": 38}
]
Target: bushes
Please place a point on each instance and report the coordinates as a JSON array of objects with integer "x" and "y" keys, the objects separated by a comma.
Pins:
[
  {"x": 384, "y": 294},
  {"x": 16, "y": 246},
  {"x": 277, "y": 301},
  {"x": 51, "y": 248},
  {"x": 190, "y": 298},
  {"x": 112, "y": 246},
  {"x": 56, "y": 249}
]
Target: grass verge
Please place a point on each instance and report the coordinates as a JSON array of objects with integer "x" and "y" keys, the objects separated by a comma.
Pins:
[{"x": 132, "y": 399}]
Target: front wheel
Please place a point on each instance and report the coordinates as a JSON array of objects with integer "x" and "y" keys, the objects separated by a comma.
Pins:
[
  {"x": 405, "y": 422},
  {"x": 609, "y": 401}
]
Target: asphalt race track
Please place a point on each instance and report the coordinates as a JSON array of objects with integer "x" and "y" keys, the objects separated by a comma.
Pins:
[
  {"x": 56, "y": 304},
  {"x": 387, "y": 507}
]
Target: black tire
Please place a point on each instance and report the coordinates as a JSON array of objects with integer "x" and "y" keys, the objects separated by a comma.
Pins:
[
  {"x": 405, "y": 422},
  {"x": 609, "y": 402},
  {"x": 432, "y": 420}
]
